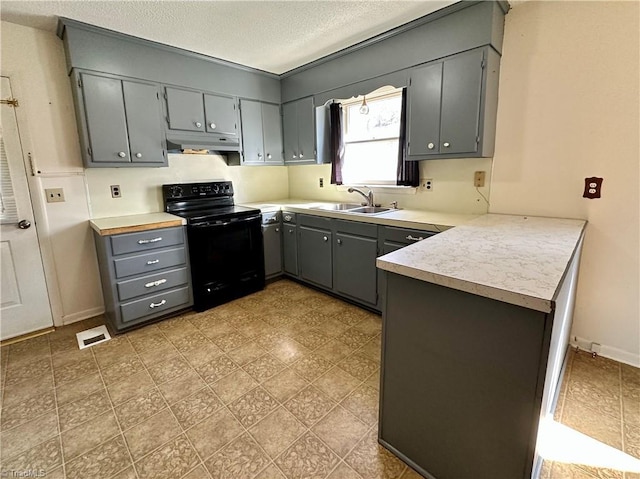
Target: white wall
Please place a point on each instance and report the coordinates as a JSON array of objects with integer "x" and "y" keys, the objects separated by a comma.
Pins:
[
  {"x": 569, "y": 109},
  {"x": 141, "y": 191},
  {"x": 34, "y": 61},
  {"x": 453, "y": 190}
]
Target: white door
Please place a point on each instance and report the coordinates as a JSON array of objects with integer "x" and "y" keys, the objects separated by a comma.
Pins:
[{"x": 24, "y": 302}]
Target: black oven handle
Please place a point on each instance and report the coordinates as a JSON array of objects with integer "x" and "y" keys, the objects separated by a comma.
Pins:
[{"x": 226, "y": 223}]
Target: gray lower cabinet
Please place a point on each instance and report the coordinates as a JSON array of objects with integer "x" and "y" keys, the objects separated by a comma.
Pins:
[
  {"x": 315, "y": 245},
  {"x": 118, "y": 121},
  {"x": 289, "y": 244},
  {"x": 272, "y": 241},
  {"x": 261, "y": 133},
  {"x": 145, "y": 275},
  {"x": 354, "y": 261},
  {"x": 299, "y": 129},
  {"x": 452, "y": 106}
]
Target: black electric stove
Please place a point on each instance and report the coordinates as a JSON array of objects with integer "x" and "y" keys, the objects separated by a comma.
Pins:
[{"x": 225, "y": 241}]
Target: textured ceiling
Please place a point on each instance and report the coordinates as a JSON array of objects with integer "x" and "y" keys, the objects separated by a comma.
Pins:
[{"x": 275, "y": 36}]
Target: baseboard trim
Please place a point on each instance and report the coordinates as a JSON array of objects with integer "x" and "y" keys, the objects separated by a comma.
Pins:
[
  {"x": 24, "y": 337},
  {"x": 616, "y": 354},
  {"x": 82, "y": 315}
]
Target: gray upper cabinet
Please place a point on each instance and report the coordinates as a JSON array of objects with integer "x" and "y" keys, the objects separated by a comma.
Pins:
[
  {"x": 299, "y": 128},
  {"x": 452, "y": 105},
  {"x": 119, "y": 121},
  {"x": 261, "y": 133},
  {"x": 201, "y": 116}
]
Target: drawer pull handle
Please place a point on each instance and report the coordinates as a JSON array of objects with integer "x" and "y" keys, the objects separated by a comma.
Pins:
[
  {"x": 287, "y": 218},
  {"x": 411, "y": 238},
  {"x": 155, "y": 283},
  {"x": 157, "y": 305},
  {"x": 152, "y": 240},
  {"x": 155, "y": 261}
]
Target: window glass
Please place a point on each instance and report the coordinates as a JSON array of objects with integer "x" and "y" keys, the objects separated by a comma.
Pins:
[{"x": 371, "y": 140}]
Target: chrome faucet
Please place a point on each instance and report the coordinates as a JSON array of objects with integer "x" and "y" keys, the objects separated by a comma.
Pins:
[{"x": 366, "y": 196}]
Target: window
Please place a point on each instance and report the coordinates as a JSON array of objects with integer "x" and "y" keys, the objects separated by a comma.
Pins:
[{"x": 371, "y": 140}]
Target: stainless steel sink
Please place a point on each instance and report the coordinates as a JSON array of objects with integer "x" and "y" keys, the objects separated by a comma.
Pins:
[
  {"x": 337, "y": 207},
  {"x": 370, "y": 210}
]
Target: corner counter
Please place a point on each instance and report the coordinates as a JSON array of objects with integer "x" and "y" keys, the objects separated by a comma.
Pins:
[
  {"x": 132, "y": 223},
  {"x": 475, "y": 333}
]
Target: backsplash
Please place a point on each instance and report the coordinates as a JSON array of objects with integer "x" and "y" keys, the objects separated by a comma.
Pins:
[
  {"x": 452, "y": 192},
  {"x": 141, "y": 192}
]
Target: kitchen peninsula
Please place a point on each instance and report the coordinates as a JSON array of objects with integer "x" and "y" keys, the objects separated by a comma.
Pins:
[{"x": 475, "y": 331}]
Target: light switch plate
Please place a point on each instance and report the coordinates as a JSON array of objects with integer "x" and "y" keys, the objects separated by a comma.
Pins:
[{"x": 54, "y": 195}]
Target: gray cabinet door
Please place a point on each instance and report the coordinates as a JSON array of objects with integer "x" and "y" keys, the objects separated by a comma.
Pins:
[
  {"x": 252, "y": 140},
  {"x": 290, "y": 131},
  {"x": 271, "y": 235},
  {"x": 272, "y": 133},
  {"x": 142, "y": 105},
  {"x": 423, "y": 118},
  {"x": 106, "y": 119},
  {"x": 290, "y": 249},
  {"x": 306, "y": 129},
  {"x": 461, "y": 93},
  {"x": 314, "y": 253},
  {"x": 354, "y": 267},
  {"x": 185, "y": 110},
  {"x": 220, "y": 115}
]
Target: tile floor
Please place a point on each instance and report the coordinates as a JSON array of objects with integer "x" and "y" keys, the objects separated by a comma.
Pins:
[{"x": 280, "y": 384}]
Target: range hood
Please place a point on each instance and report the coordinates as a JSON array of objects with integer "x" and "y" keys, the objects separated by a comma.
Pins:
[{"x": 184, "y": 141}]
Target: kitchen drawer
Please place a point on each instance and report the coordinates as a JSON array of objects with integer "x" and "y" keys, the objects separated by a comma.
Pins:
[
  {"x": 288, "y": 217},
  {"x": 315, "y": 221},
  {"x": 146, "y": 240},
  {"x": 152, "y": 283},
  {"x": 270, "y": 218},
  {"x": 404, "y": 235},
  {"x": 154, "y": 304},
  {"x": 149, "y": 262}
]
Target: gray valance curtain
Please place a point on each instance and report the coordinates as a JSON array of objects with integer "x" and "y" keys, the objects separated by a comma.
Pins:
[
  {"x": 336, "y": 143},
  {"x": 408, "y": 171}
]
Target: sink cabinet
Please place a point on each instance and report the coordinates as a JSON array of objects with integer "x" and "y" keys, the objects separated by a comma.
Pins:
[
  {"x": 354, "y": 261},
  {"x": 299, "y": 128},
  {"x": 315, "y": 250},
  {"x": 118, "y": 121},
  {"x": 452, "y": 106},
  {"x": 261, "y": 133}
]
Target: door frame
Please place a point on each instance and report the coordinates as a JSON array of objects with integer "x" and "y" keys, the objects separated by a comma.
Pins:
[{"x": 38, "y": 201}]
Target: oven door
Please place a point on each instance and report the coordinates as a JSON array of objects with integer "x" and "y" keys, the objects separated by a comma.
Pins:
[{"x": 227, "y": 260}]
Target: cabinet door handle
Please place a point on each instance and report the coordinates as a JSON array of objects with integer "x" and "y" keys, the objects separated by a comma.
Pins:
[
  {"x": 155, "y": 261},
  {"x": 259, "y": 155},
  {"x": 294, "y": 156},
  {"x": 324, "y": 238},
  {"x": 287, "y": 218},
  {"x": 155, "y": 283},
  {"x": 198, "y": 124},
  {"x": 446, "y": 144},
  {"x": 277, "y": 230},
  {"x": 301, "y": 155},
  {"x": 152, "y": 240},
  {"x": 122, "y": 154},
  {"x": 269, "y": 156},
  {"x": 431, "y": 146},
  {"x": 412, "y": 238},
  {"x": 212, "y": 126},
  {"x": 339, "y": 241},
  {"x": 290, "y": 232},
  {"x": 138, "y": 155},
  {"x": 157, "y": 305}
]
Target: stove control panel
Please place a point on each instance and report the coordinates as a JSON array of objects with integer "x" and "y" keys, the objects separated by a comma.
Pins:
[{"x": 198, "y": 190}]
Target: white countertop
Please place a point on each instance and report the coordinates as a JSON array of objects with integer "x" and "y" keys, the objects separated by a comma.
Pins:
[
  {"x": 515, "y": 259},
  {"x": 131, "y": 223},
  {"x": 418, "y": 219}
]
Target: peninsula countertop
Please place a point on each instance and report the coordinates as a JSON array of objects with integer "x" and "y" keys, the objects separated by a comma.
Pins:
[
  {"x": 401, "y": 218},
  {"x": 519, "y": 260}
]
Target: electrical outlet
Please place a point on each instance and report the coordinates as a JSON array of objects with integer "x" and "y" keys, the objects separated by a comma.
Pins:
[
  {"x": 115, "y": 191},
  {"x": 54, "y": 195},
  {"x": 321, "y": 182},
  {"x": 478, "y": 179},
  {"x": 427, "y": 184}
]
